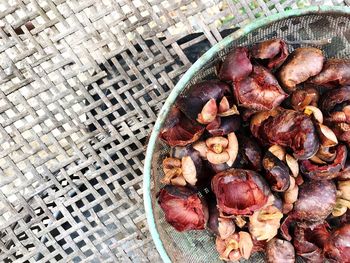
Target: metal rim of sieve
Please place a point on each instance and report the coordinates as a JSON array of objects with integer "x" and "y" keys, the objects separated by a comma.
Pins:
[{"x": 180, "y": 86}]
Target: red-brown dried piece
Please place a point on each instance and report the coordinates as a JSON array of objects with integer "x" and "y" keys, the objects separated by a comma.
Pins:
[
  {"x": 301, "y": 98},
  {"x": 259, "y": 91},
  {"x": 183, "y": 208},
  {"x": 332, "y": 98},
  {"x": 290, "y": 129},
  {"x": 251, "y": 155},
  {"x": 179, "y": 130},
  {"x": 309, "y": 242},
  {"x": 337, "y": 247},
  {"x": 239, "y": 192},
  {"x": 302, "y": 64},
  {"x": 236, "y": 65},
  {"x": 272, "y": 52},
  {"x": 327, "y": 171},
  {"x": 201, "y": 101},
  {"x": 315, "y": 202},
  {"x": 335, "y": 72}
]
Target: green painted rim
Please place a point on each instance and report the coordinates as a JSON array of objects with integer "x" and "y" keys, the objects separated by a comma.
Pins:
[{"x": 182, "y": 84}]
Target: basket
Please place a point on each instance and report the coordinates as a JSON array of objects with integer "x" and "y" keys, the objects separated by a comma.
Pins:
[{"x": 311, "y": 26}]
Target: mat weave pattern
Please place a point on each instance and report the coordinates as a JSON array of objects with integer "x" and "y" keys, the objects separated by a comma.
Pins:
[{"x": 81, "y": 83}]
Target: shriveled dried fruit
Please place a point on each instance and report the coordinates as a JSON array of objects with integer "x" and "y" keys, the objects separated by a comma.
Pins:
[
  {"x": 309, "y": 242},
  {"x": 259, "y": 118},
  {"x": 335, "y": 72},
  {"x": 236, "y": 65},
  {"x": 200, "y": 102},
  {"x": 239, "y": 192},
  {"x": 272, "y": 52},
  {"x": 301, "y": 98},
  {"x": 278, "y": 250},
  {"x": 302, "y": 64},
  {"x": 179, "y": 130},
  {"x": 183, "y": 208},
  {"x": 332, "y": 98},
  {"x": 304, "y": 134},
  {"x": 290, "y": 129},
  {"x": 328, "y": 170},
  {"x": 235, "y": 247},
  {"x": 337, "y": 247},
  {"x": 259, "y": 91},
  {"x": 315, "y": 202},
  {"x": 277, "y": 173}
]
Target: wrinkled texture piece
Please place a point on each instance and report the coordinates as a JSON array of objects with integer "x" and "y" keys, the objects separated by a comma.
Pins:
[
  {"x": 224, "y": 125},
  {"x": 327, "y": 171},
  {"x": 335, "y": 72},
  {"x": 277, "y": 172},
  {"x": 192, "y": 102},
  {"x": 259, "y": 91},
  {"x": 183, "y": 208},
  {"x": 178, "y": 130},
  {"x": 315, "y": 202},
  {"x": 259, "y": 118},
  {"x": 278, "y": 251},
  {"x": 273, "y": 51},
  {"x": 239, "y": 192},
  {"x": 337, "y": 248},
  {"x": 309, "y": 243},
  {"x": 291, "y": 129},
  {"x": 302, "y": 64},
  {"x": 301, "y": 98},
  {"x": 336, "y": 106},
  {"x": 236, "y": 65}
]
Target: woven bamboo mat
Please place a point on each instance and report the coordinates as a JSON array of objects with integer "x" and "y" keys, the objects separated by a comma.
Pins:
[{"x": 81, "y": 83}]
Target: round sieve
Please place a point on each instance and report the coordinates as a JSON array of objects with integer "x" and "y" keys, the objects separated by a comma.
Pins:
[{"x": 311, "y": 26}]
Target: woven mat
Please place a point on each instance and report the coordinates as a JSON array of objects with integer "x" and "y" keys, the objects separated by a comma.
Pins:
[{"x": 81, "y": 83}]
